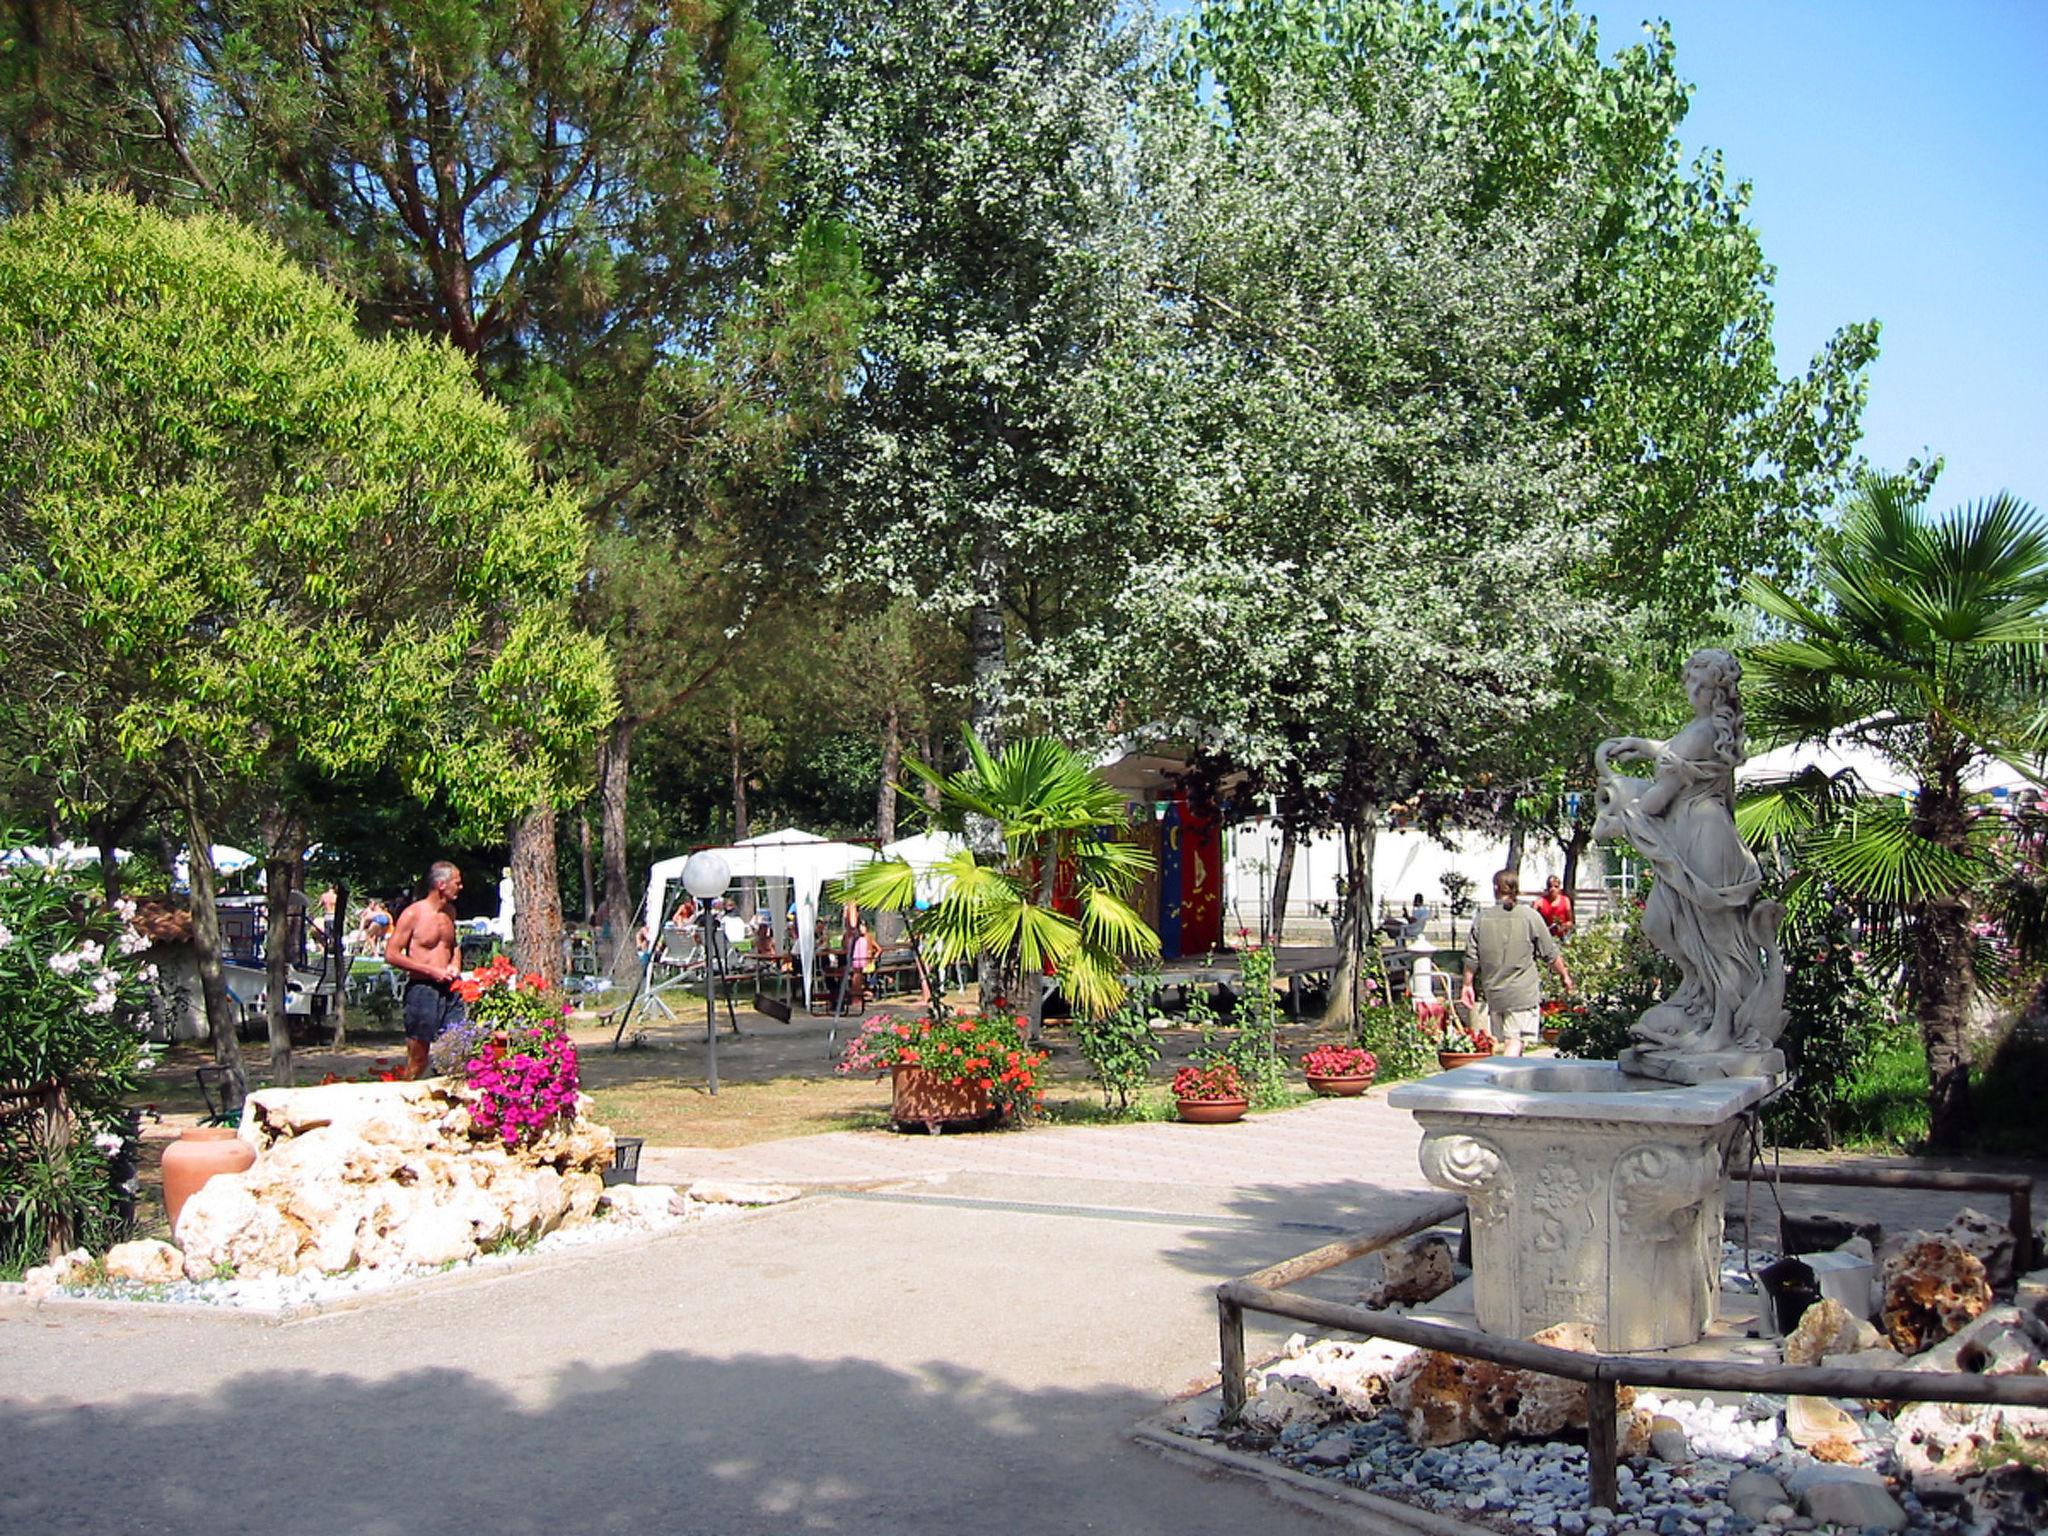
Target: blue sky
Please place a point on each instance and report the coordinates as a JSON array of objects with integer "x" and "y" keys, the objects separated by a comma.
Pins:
[{"x": 1900, "y": 172}]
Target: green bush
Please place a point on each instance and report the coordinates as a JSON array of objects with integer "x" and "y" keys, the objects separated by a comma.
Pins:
[
  {"x": 1619, "y": 975},
  {"x": 73, "y": 999},
  {"x": 1840, "y": 1023},
  {"x": 1120, "y": 1047}
]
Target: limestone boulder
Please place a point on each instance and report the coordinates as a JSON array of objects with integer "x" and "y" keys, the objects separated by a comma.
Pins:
[
  {"x": 1445, "y": 1399},
  {"x": 1282, "y": 1404},
  {"x": 1853, "y": 1498},
  {"x": 145, "y": 1261},
  {"x": 732, "y": 1192},
  {"x": 2003, "y": 1341},
  {"x": 1825, "y": 1328},
  {"x": 2030, "y": 1294},
  {"x": 385, "y": 1175},
  {"x": 1358, "y": 1374},
  {"x": 1989, "y": 1239},
  {"x": 1820, "y": 1427},
  {"x": 1932, "y": 1287},
  {"x": 641, "y": 1207},
  {"x": 1416, "y": 1269},
  {"x": 74, "y": 1268},
  {"x": 224, "y": 1227}
]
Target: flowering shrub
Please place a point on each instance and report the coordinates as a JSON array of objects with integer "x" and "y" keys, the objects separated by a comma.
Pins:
[
  {"x": 74, "y": 996},
  {"x": 1209, "y": 1080},
  {"x": 1340, "y": 1061},
  {"x": 523, "y": 1083},
  {"x": 514, "y": 1052},
  {"x": 988, "y": 1048},
  {"x": 1465, "y": 1040}
]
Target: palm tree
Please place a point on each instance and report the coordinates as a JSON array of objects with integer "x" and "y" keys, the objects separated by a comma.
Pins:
[
  {"x": 1926, "y": 641},
  {"x": 1057, "y": 819}
]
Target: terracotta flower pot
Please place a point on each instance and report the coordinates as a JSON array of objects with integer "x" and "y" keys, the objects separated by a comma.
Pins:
[
  {"x": 1348, "y": 1085},
  {"x": 1212, "y": 1111},
  {"x": 1449, "y": 1059},
  {"x": 196, "y": 1156},
  {"x": 918, "y": 1099},
  {"x": 1549, "y": 1033}
]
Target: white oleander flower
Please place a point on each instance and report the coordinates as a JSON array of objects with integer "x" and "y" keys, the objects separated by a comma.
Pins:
[
  {"x": 132, "y": 942},
  {"x": 108, "y": 1143},
  {"x": 6, "y": 935}
]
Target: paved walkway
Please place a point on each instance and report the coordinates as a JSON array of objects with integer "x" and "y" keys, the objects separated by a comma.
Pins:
[{"x": 960, "y": 1339}]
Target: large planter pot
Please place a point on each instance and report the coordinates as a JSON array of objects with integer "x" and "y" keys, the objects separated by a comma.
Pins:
[
  {"x": 1446, "y": 1060},
  {"x": 1212, "y": 1111},
  {"x": 919, "y": 1101},
  {"x": 196, "y": 1156},
  {"x": 1549, "y": 1033},
  {"x": 1345, "y": 1086}
]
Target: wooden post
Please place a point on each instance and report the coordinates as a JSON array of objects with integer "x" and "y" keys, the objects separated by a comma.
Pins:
[
  {"x": 1230, "y": 1332},
  {"x": 2022, "y": 1217},
  {"x": 1604, "y": 1489}
]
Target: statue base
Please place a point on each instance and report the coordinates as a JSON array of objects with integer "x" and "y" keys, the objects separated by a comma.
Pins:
[
  {"x": 1595, "y": 1196},
  {"x": 1700, "y": 1067}
]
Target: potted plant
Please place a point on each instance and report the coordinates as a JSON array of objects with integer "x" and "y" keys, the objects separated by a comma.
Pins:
[
  {"x": 1461, "y": 1045},
  {"x": 1556, "y": 1014},
  {"x": 962, "y": 1070},
  {"x": 1340, "y": 1071},
  {"x": 1210, "y": 1093}
]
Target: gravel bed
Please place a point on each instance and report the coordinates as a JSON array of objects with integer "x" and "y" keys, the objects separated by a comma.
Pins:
[{"x": 276, "y": 1293}]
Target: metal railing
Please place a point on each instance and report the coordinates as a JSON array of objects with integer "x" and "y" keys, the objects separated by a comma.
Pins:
[{"x": 1263, "y": 1291}]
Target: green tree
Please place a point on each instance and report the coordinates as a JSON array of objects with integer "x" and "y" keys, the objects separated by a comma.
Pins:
[
  {"x": 585, "y": 199},
  {"x": 952, "y": 138},
  {"x": 1926, "y": 638},
  {"x": 1351, "y": 537},
  {"x": 1054, "y": 816},
  {"x": 238, "y": 541}
]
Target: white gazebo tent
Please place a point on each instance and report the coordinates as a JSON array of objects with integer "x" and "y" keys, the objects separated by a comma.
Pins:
[
  {"x": 1842, "y": 753},
  {"x": 922, "y": 853},
  {"x": 803, "y": 859}
]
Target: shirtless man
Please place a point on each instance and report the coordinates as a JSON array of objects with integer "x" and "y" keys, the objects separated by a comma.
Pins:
[{"x": 423, "y": 945}]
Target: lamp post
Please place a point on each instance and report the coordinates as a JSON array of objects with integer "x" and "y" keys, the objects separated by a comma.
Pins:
[{"x": 706, "y": 875}]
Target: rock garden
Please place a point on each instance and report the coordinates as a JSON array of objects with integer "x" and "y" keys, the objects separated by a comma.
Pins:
[{"x": 1506, "y": 1449}]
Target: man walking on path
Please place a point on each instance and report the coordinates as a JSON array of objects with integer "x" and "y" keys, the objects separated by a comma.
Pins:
[
  {"x": 1506, "y": 942},
  {"x": 423, "y": 945}
]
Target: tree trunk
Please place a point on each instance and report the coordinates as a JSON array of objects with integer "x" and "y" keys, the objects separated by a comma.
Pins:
[
  {"x": 1574, "y": 851},
  {"x": 892, "y": 766},
  {"x": 933, "y": 800},
  {"x": 1355, "y": 933},
  {"x": 742, "y": 819},
  {"x": 1942, "y": 976},
  {"x": 284, "y": 860},
  {"x": 54, "y": 1127},
  {"x": 583, "y": 865},
  {"x": 110, "y": 866},
  {"x": 985, "y": 643},
  {"x": 1035, "y": 985},
  {"x": 222, "y": 1014},
  {"x": 1518, "y": 835},
  {"x": 614, "y": 757},
  {"x": 1283, "y": 882},
  {"x": 338, "y": 958},
  {"x": 537, "y": 891}
]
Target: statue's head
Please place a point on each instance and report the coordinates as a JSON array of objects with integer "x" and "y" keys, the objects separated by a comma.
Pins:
[{"x": 1713, "y": 681}]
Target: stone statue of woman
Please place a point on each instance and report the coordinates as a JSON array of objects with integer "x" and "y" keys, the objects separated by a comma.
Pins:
[{"x": 1728, "y": 1009}]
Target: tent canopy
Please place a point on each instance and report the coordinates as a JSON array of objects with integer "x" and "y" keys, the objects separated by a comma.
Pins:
[
  {"x": 922, "y": 853},
  {"x": 1842, "y": 752},
  {"x": 804, "y": 859}
]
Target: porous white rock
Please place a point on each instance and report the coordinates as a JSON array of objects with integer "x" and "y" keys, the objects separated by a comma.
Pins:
[
  {"x": 1986, "y": 1237},
  {"x": 1445, "y": 1399},
  {"x": 146, "y": 1261},
  {"x": 1931, "y": 1286},
  {"x": 384, "y": 1176},
  {"x": 1416, "y": 1269},
  {"x": 732, "y": 1192}
]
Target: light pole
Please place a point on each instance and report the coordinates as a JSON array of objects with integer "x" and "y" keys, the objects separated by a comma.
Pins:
[{"x": 706, "y": 875}]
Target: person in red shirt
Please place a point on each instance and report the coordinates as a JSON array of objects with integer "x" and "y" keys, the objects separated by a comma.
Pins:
[{"x": 1555, "y": 908}]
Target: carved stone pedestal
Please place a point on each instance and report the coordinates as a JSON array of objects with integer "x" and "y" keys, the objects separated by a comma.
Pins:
[{"x": 1595, "y": 1196}]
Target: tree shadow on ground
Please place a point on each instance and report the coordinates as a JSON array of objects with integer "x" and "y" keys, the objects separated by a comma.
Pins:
[{"x": 674, "y": 1442}]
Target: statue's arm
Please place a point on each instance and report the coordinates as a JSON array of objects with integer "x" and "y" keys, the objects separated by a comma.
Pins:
[{"x": 1625, "y": 749}]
